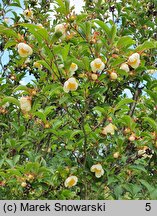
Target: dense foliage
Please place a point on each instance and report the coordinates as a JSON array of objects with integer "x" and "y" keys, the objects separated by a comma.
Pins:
[{"x": 73, "y": 132}]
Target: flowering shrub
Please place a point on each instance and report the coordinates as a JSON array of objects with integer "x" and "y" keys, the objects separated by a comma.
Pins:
[{"x": 85, "y": 127}]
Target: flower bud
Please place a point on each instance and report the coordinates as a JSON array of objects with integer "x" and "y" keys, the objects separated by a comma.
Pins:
[
  {"x": 23, "y": 184},
  {"x": 94, "y": 77},
  {"x": 116, "y": 155},
  {"x": 132, "y": 138},
  {"x": 113, "y": 76}
]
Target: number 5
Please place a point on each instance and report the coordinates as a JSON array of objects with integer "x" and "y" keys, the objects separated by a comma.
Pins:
[{"x": 148, "y": 207}]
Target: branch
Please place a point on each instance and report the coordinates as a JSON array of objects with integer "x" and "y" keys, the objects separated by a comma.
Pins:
[{"x": 135, "y": 98}]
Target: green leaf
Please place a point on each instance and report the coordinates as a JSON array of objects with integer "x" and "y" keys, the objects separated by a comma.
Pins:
[
  {"x": 7, "y": 31},
  {"x": 16, "y": 3},
  {"x": 10, "y": 44},
  {"x": 125, "y": 41},
  {"x": 153, "y": 95},
  {"x": 10, "y": 100},
  {"x": 41, "y": 115},
  {"x": 113, "y": 32},
  {"x": 45, "y": 64},
  {"x": 117, "y": 61},
  {"x": 1, "y": 162},
  {"x": 104, "y": 26},
  {"x": 147, "y": 185},
  {"x": 65, "y": 52},
  {"x": 64, "y": 99},
  {"x": 123, "y": 102},
  {"x": 64, "y": 6},
  {"x": 118, "y": 190},
  {"x": 21, "y": 88},
  {"x": 4, "y": 125},
  {"x": 151, "y": 122},
  {"x": 48, "y": 110},
  {"x": 75, "y": 132},
  {"x": 56, "y": 36},
  {"x": 127, "y": 121},
  {"x": 10, "y": 162},
  {"x": 16, "y": 158},
  {"x": 153, "y": 194},
  {"x": 138, "y": 167},
  {"x": 39, "y": 33},
  {"x": 147, "y": 45}
]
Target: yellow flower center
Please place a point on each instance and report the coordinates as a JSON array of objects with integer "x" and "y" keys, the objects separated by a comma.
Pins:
[
  {"x": 71, "y": 86},
  {"x": 24, "y": 51},
  {"x": 29, "y": 13},
  {"x": 98, "y": 171},
  {"x": 97, "y": 65},
  {"x": 73, "y": 65},
  {"x": 133, "y": 62},
  {"x": 71, "y": 182}
]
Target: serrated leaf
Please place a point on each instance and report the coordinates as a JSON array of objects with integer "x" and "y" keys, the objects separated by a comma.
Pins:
[
  {"x": 10, "y": 44},
  {"x": 146, "y": 45},
  {"x": 125, "y": 41},
  {"x": 1, "y": 162},
  {"x": 138, "y": 167},
  {"x": 113, "y": 32},
  {"x": 75, "y": 132},
  {"x": 21, "y": 88},
  {"x": 45, "y": 64},
  {"x": 147, "y": 185},
  {"x": 7, "y": 31},
  {"x": 10, "y": 100},
  {"x": 10, "y": 162},
  {"x": 128, "y": 121},
  {"x": 40, "y": 34},
  {"x": 65, "y": 51},
  {"x": 123, "y": 102},
  {"x": 41, "y": 115},
  {"x": 153, "y": 95},
  {"x": 151, "y": 122},
  {"x": 104, "y": 26},
  {"x": 16, "y": 158},
  {"x": 4, "y": 125}
]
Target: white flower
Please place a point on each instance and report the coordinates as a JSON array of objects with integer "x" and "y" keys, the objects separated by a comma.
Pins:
[
  {"x": 61, "y": 28},
  {"x": 71, "y": 181},
  {"x": 28, "y": 14},
  {"x": 98, "y": 170},
  {"x": 73, "y": 68},
  {"x": 70, "y": 85},
  {"x": 25, "y": 103},
  {"x": 113, "y": 76},
  {"x": 124, "y": 67},
  {"x": 110, "y": 128},
  {"x": 97, "y": 65},
  {"x": 134, "y": 60},
  {"x": 24, "y": 50}
]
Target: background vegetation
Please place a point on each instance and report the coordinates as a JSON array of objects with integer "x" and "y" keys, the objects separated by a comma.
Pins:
[{"x": 51, "y": 134}]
